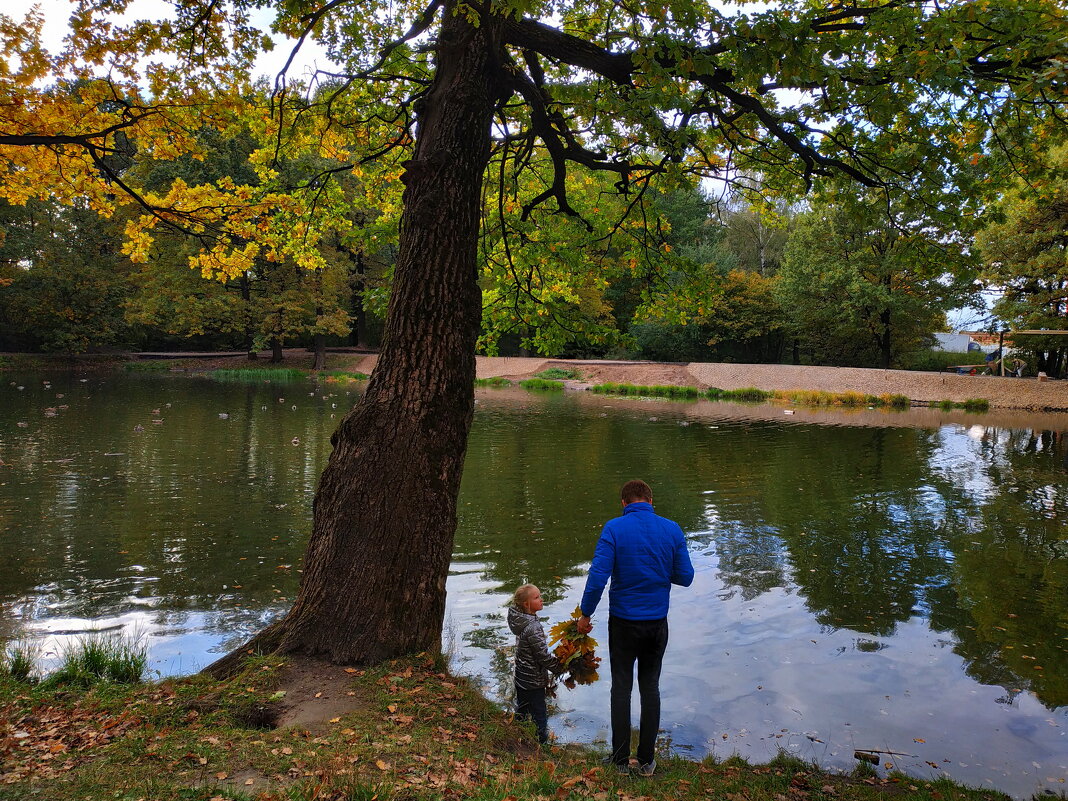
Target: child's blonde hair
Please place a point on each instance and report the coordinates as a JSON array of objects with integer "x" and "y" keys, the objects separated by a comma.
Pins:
[{"x": 521, "y": 594}]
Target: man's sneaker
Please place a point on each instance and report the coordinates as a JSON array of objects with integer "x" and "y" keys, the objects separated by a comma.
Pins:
[
  {"x": 623, "y": 768},
  {"x": 648, "y": 769}
]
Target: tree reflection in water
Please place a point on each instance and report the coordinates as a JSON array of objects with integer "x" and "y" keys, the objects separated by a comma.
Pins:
[{"x": 857, "y": 532}]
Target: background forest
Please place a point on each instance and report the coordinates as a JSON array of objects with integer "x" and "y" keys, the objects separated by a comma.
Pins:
[{"x": 845, "y": 277}]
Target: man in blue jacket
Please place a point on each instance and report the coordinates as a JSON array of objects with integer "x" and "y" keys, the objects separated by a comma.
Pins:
[{"x": 643, "y": 554}]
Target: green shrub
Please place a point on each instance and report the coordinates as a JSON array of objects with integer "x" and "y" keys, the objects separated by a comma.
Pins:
[
  {"x": 559, "y": 374},
  {"x": 896, "y": 401},
  {"x": 946, "y": 405},
  {"x": 541, "y": 384},
  {"x": 495, "y": 381},
  {"x": 257, "y": 374},
  {"x": 100, "y": 658}
]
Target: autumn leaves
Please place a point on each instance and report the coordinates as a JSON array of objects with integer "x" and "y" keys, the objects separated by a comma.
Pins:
[{"x": 575, "y": 651}]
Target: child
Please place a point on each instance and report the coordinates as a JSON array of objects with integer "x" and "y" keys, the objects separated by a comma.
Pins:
[{"x": 532, "y": 658}]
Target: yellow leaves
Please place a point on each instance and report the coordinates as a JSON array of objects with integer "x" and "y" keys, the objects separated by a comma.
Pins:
[
  {"x": 575, "y": 650},
  {"x": 220, "y": 263}
]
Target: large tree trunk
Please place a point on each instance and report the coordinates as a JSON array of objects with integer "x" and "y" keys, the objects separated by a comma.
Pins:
[{"x": 373, "y": 585}]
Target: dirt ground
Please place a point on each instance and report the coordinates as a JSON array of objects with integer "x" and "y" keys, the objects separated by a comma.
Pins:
[
  {"x": 1008, "y": 393},
  {"x": 923, "y": 387}
]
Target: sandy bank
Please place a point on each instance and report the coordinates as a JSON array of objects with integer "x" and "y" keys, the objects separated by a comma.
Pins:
[{"x": 1007, "y": 393}]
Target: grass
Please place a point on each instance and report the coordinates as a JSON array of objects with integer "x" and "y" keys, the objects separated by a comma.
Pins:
[
  {"x": 801, "y": 397},
  {"x": 654, "y": 391},
  {"x": 495, "y": 381},
  {"x": 343, "y": 377},
  {"x": 414, "y": 733},
  {"x": 151, "y": 366},
  {"x": 18, "y": 662},
  {"x": 26, "y": 361},
  {"x": 746, "y": 394},
  {"x": 560, "y": 374},
  {"x": 100, "y": 657},
  {"x": 257, "y": 374},
  {"x": 811, "y": 397},
  {"x": 541, "y": 384},
  {"x": 969, "y": 405},
  {"x": 754, "y": 395}
]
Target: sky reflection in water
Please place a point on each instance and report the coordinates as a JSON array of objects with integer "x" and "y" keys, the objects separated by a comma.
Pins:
[{"x": 895, "y": 582}]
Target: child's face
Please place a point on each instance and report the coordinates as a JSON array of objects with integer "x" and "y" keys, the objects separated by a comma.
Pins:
[{"x": 533, "y": 602}]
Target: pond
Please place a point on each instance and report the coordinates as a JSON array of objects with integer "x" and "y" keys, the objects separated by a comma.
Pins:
[{"x": 895, "y": 582}]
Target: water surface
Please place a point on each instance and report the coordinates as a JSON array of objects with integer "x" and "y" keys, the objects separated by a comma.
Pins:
[{"x": 888, "y": 581}]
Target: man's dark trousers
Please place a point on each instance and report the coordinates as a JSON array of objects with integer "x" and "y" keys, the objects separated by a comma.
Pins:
[{"x": 644, "y": 642}]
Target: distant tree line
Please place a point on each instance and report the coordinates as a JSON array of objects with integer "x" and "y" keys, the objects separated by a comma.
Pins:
[{"x": 845, "y": 278}]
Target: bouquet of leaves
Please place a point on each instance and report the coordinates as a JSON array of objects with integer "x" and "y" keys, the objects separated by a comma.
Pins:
[{"x": 575, "y": 651}]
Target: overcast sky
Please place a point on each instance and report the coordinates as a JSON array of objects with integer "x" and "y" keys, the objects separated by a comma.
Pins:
[{"x": 57, "y": 13}]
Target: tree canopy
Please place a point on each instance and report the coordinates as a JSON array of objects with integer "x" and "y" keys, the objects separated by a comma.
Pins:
[{"x": 907, "y": 95}]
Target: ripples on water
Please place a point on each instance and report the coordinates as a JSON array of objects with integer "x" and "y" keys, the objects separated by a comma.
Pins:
[{"x": 864, "y": 580}]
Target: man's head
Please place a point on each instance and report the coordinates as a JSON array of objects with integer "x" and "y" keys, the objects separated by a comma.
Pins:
[{"x": 634, "y": 491}]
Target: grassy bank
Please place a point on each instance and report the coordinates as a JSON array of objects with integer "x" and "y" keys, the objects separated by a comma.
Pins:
[
  {"x": 32, "y": 362},
  {"x": 408, "y": 731},
  {"x": 797, "y": 397}
]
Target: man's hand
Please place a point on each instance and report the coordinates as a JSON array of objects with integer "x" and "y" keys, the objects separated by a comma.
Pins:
[{"x": 584, "y": 625}]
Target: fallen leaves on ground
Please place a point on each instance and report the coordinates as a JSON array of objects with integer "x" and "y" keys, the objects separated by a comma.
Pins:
[{"x": 46, "y": 741}]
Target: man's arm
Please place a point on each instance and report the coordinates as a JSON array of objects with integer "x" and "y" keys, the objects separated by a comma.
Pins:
[
  {"x": 604, "y": 558},
  {"x": 682, "y": 567}
]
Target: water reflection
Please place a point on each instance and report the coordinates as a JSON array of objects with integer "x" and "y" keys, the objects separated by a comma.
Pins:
[{"x": 889, "y": 581}]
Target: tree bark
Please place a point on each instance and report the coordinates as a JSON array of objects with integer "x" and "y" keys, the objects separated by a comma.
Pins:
[
  {"x": 885, "y": 326},
  {"x": 384, "y": 517},
  {"x": 359, "y": 316},
  {"x": 319, "y": 347},
  {"x": 885, "y": 341},
  {"x": 246, "y": 297},
  {"x": 319, "y": 340}
]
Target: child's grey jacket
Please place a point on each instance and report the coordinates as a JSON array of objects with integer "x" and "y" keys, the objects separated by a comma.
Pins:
[{"x": 532, "y": 658}]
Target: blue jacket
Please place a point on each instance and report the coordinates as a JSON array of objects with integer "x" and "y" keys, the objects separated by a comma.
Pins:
[{"x": 644, "y": 554}]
